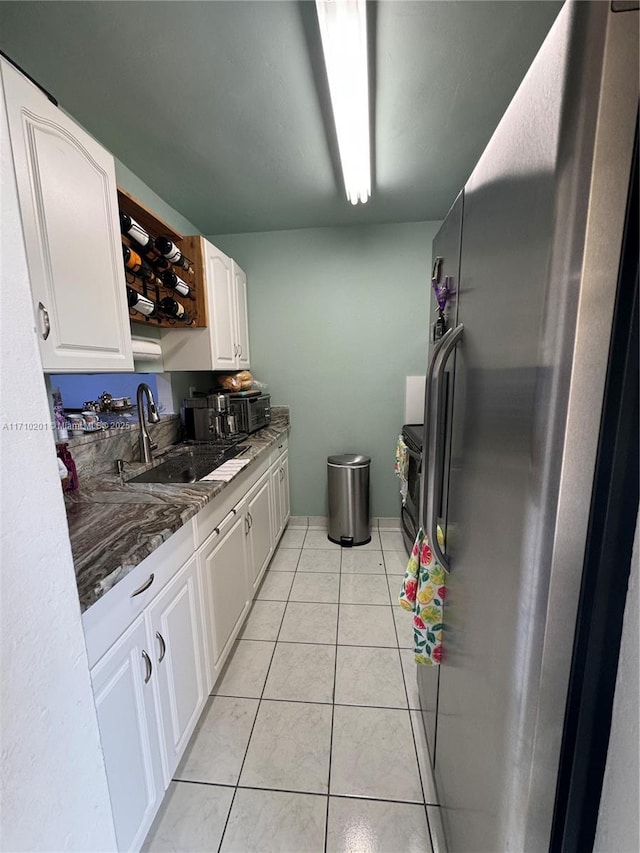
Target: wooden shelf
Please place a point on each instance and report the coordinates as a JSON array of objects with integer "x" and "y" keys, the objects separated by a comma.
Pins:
[{"x": 190, "y": 246}]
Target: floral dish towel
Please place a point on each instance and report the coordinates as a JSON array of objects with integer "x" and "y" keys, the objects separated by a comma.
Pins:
[{"x": 423, "y": 593}]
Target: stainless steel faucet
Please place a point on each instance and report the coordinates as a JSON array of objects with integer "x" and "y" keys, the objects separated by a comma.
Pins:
[{"x": 146, "y": 445}]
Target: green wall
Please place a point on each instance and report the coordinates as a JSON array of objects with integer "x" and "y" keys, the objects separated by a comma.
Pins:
[
  {"x": 143, "y": 192},
  {"x": 338, "y": 317}
]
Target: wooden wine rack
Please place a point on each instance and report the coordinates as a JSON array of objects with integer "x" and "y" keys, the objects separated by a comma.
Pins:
[{"x": 191, "y": 247}]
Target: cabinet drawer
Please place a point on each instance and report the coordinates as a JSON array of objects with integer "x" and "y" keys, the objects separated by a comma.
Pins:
[{"x": 112, "y": 614}]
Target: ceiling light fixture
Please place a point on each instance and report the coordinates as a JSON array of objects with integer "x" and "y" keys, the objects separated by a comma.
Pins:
[{"x": 343, "y": 29}]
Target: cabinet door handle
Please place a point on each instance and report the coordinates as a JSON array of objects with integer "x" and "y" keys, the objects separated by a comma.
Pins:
[
  {"x": 144, "y": 586},
  {"x": 46, "y": 324},
  {"x": 163, "y": 646},
  {"x": 240, "y": 350},
  {"x": 148, "y": 665},
  {"x": 281, "y": 473},
  {"x": 235, "y": 350},
  {"x": 247, "y": 526},
  {"x": 250, "y": 517}
]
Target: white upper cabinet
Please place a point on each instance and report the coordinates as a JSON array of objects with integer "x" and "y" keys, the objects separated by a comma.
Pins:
[
  {"x": 221, "y": 309},
  {"x": 67, "y": 193},
  {"x": 242, "y": 317},
  {"x": 224, "y": 344}
]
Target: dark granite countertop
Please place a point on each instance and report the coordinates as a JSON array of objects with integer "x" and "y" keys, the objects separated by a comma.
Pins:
[{"x": 114, "y": 526}]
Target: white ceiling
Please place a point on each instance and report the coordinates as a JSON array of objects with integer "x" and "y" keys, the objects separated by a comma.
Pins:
[{"x": 221, "y": 106}]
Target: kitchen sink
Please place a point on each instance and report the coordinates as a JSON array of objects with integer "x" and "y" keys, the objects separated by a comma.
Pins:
[{"x": 188, "y": 465}]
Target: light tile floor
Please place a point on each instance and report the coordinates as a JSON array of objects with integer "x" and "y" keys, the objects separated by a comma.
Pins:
[{"x": 312, "y": 739}]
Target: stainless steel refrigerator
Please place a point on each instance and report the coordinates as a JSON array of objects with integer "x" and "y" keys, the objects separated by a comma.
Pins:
[{"x": 530, "y": 446}]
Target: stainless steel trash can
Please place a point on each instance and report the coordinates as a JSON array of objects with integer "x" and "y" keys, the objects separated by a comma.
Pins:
[{"x": 348, "y": 482}]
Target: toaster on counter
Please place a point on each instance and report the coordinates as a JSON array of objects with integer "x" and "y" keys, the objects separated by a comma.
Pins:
[{"x": 251, "y": 413}]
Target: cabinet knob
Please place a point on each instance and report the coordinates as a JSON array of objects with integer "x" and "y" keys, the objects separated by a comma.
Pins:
[
  {"x": 148, "y": 665},
  {"x": 44, "y": 318}
]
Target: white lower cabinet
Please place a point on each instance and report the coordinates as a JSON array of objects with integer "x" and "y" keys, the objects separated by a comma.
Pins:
[
  {"x": 126, "y": 706},
  {"x": 161, "y": 638},
  {"x": 149, "y": 690},
  {"x": 277, "y": 522},
  {"x": 223, "y": 567},
  {"x": 285, "y": 500},
  {"x": 279, "y": 473},
  {"x": 259, "y": 527},
  {"x": 175, "y": 623}
]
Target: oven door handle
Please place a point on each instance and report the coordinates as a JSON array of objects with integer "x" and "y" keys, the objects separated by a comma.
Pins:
[
  {"x": 412, "y": 452},
  {"x": 416, "y": 456}
]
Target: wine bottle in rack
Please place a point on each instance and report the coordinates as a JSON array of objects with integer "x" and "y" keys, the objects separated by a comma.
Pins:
[
  {"x": 141, "y": 303},
  {"x": 133, "y": 229},
  {"x": 159, "y": 264},
  {"x": 143, "y": 240},
  {"x": 174, "y": 282},
  {"x": 172, "y": 253},
  {"x": 174, "y": 309},
  {"x": 134, "y": 262}
]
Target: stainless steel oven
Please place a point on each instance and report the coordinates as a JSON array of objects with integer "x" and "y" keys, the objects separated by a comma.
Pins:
[{"x": 410, "y": 512}]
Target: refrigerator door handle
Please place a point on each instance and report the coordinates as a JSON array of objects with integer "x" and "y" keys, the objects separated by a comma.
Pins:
[
  {"x": 436, "y": 371},
  {"x": 427, "y": 419}
]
